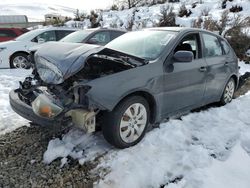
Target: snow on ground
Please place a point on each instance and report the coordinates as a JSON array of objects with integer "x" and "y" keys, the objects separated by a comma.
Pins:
[
  {"x": 193, "y": 147},
  {"x": 9, "y": 120},
  {"x": 183, "y": 148},
  {"x": 243, "y": 67},
  {"x": 230, "y": 173}
]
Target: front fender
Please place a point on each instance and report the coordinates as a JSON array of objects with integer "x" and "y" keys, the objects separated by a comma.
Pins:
[{"x": 108, "y": 91}]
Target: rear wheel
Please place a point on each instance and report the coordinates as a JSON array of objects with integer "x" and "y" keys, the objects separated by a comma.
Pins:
[
  {"x": 19, "y": 60},
  {"x": 228, "y": 92},
  {"x": 126, "y": 125}
]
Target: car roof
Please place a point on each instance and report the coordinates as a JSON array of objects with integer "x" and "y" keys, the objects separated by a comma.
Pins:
[
  {"x": 57, "y": 28},
  {"x": 180, "y": 29},
  {"x": 106, "y": 29}
]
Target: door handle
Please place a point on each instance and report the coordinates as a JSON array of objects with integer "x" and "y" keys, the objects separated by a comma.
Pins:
[
  {"x": 203, "y": 69},
  {"x": 226, "y": 64}
]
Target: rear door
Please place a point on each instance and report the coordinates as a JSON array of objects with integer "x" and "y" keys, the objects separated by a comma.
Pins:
[
  {"x": 217, "y": 70},
  {"x": 185, "y": 82},
  {"x": 62, "y": 33},
  {"x": 115, "y": 34},
  {"x": 100, "y": 38}
]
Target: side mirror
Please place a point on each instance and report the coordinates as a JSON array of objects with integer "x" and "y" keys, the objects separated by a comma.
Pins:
[
  {"x": 92, "y": 41},
  {"x": 41, "y": 41},
  {"x": 184, "y": 56}
]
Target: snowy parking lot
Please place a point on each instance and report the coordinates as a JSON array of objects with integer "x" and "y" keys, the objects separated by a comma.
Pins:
[{"x": 208, "y": 148}]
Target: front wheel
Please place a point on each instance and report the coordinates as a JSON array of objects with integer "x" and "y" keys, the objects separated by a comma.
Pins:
[
  {"x": 228, "y": 93},
  {"x": 19, "y": 60},
  {"x": 126, "y": 125}
]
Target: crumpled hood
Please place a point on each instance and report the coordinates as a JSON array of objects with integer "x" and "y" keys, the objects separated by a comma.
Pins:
[{"x": 69, "y": 58}]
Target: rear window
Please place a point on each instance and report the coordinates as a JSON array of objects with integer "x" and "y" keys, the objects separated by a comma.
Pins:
[{"x": 7, "y": 33}]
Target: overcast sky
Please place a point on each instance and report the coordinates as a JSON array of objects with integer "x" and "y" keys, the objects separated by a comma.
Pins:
[{"x": 80, "y": 4}]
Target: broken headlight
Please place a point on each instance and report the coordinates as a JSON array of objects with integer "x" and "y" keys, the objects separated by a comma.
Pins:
[
  {"x": 46, "y": 107},
  {"x": 48, "y": 72}
]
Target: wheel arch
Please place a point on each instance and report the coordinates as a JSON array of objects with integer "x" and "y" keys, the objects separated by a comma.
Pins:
[
  {"x": 149, "y": 98},
  {"x": 236, "y": 80},
  {"x": 18, "y": 52}
]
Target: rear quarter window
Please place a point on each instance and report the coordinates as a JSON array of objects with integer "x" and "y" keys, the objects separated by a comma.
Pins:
[{"x": 225, "y": 47}]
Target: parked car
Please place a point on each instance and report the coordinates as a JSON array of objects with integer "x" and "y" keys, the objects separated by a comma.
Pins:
[
  {"x": 93, "y": 36},
  {"x": 140, "y": 78},
  {"x": 14, "y": 53},
  {"x": 11, "y": 33}
]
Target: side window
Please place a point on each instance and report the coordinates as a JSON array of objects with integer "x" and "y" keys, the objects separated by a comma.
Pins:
[
  {"x": 100, "y": 38},
  {"x": 116, "y": 34},
  {"x": 225, "y": 47},
  {"x": 190, "y": 43},
  {"x": 212, "y": 46},
  {"x": 62, "y": 33},
  {"x": 45, "y": 37},
  {"x": 7, "y": 33}
]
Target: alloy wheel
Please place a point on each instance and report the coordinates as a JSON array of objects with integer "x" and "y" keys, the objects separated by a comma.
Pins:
[
  {"x": 229, "y": 91},
  {"x": 133, "y": 122},
  {"x": 20, "y": 62}
]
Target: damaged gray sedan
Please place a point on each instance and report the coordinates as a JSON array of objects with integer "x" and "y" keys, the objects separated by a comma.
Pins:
[{"x": 138, "y": 79}]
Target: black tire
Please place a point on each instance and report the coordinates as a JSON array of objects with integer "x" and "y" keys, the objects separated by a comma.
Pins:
[
  {"x": 112, "y": 120},
  {"x": 226, "y": 96},
  {"x": 22, "y": 55}
]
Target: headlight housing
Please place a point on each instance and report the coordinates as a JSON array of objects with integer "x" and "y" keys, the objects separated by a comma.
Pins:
[
  {"x": 47, "y": 71},
  {"x": 46, "y": 107}
]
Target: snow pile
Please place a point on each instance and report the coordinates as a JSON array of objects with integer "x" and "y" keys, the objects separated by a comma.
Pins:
[
  {"x": 9, "y": 120},
  {"x": 77, "y": 145},
  {"x": 231, "y": 173},
  {"x": 243, "y": 67}
]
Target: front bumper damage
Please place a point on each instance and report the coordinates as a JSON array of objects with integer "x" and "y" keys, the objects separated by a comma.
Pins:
[{"x": 46, "y": 111}]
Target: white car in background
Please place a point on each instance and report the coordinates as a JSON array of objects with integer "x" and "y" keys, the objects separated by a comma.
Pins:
[{"x": 14, "y": 54}]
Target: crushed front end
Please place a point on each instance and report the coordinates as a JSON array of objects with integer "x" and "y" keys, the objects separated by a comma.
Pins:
[
  {"x": 48, "y": 104},
  {"x": 56, "y": 92}
]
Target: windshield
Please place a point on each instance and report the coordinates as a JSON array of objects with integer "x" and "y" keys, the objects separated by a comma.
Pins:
[
  {"x": 76, "y": 37},
  {"x": 29, "y": 35},
  {"x": 144, "y": 44}
]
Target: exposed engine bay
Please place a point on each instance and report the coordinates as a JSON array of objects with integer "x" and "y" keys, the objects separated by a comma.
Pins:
[{"x": 68, "y": 98}]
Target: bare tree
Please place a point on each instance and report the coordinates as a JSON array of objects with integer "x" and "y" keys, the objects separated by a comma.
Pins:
[
  {"x": 238, "y": 23},
  {"x": 129, "y": 3},
  {"x": 167, "y": 16}
]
